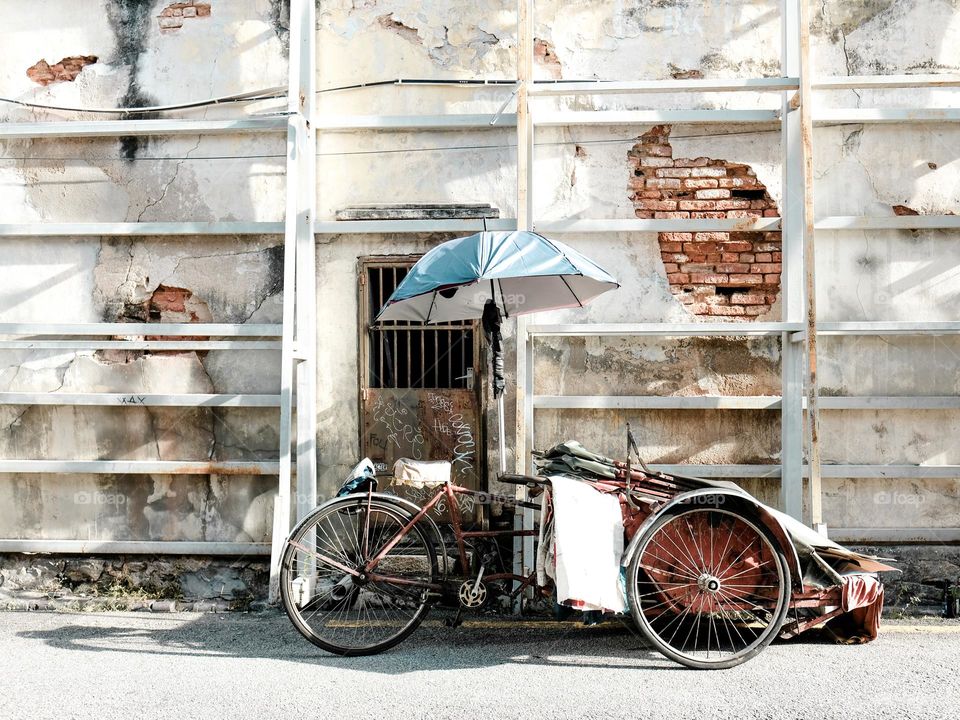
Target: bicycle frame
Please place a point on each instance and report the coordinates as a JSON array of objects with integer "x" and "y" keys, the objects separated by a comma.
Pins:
[{"x": 447, "y": 491}]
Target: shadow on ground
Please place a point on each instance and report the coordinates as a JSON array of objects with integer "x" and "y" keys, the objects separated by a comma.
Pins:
[{"x": 480, "y": 642}]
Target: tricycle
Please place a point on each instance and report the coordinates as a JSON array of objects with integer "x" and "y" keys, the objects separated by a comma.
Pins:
[{"x": 711, "y": 575}]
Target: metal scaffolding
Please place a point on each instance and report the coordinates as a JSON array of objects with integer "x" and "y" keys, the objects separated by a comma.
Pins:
[
  {"x": 296, "y": 340},
  {"x": 798, "y": 329}
]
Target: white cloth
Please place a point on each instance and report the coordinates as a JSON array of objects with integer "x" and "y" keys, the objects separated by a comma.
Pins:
[
  {"x": 588, "y": 544},
  {"x": 421, "y": 473}
]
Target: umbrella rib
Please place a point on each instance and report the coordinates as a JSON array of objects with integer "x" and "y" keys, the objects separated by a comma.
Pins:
[
  {"x": 433, "y": 302},
  {"x": 503, "y": 300},
  {"x": 564, "y": 278}
]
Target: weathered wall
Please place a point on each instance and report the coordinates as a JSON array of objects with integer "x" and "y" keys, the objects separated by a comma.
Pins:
[
  {"x": 141, "y": 58},
  {"x": 146, "y": 53}
]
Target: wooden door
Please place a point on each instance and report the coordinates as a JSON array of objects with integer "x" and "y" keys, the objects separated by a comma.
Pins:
[{"x": 419, "y": 388}]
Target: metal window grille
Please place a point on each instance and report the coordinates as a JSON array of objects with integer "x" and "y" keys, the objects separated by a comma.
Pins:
[{"x": 412, "y": 355}]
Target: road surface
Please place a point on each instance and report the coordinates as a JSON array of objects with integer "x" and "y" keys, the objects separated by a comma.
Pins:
[{"x": 212, "y": 666}]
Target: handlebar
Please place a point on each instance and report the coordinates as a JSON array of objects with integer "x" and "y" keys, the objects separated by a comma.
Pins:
[{"x": 529, "y": 480}]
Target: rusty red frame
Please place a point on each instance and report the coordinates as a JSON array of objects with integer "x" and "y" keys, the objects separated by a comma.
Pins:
[{"x": 449, "y": 492}]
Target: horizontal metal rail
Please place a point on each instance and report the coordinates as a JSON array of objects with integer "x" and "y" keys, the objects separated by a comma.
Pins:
[
  {"x": 133, "y": 547},
  {"x": 181, "y": 345},
  {"x": 645, "y": 117},
  {"x": 140, "y": 399},
  {"x": 604, "y": 87},
  {"x": 702, "y": 85},
  {"x": 938, "y": 535},
  {"x": 125, "y": 128},
  {"x": 889, "y": 327},
  {"x": 891, "y": 222},
  {"x": 845, "y": 472},
  {"x": 883, "y": 82},
  {"x": 889, "y": 471},
  {"x": 719, "y": 470},
  {"x": 165, "y": 329},
  {"x": 352, "y": 123},
  {"x": 586, "y": 225},
  {"x": 142, "y": 467},
  {"x": 912, "y": 402},
  {"x": 735, "y": 402},
  {"x": 833, "y": 116},
  {"x": 138, "y": 229},
  {"x": 662, "y": 329},
  {"x": 341, "y": 227},
  {"x": 653, "y": 402},
  {"x": 335, "y": 227}
]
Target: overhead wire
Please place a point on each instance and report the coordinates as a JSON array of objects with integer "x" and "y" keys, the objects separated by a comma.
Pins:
[{"x": 388, "y": 151}]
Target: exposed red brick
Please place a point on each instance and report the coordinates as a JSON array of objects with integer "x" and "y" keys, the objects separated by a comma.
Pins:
[
  {"x": 725, "y": 310},
  {"x": 709, "y": 278},
  {"x": 904, "y": 210},
  {"x": 172, "y": 16},
  {"x": 748, "y": 299},
  {"x": 726, "y": 274},
  {"x": 732, "y": 267},
  {"x": 64, "y": 71},
  {"x": 545, "y": 55},
  {"x": 169, "y": 304}
]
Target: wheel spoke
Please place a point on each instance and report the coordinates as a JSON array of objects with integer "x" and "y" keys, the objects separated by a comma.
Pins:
[
  {"x": 349, "y": 613},
  {"x": 700, "y": 607}
]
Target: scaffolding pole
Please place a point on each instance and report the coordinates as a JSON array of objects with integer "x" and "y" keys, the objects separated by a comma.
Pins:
[
  {"x": 296, "y": 220},
  {"x": 806, "y": 141},
  {"x": 523, "y": 547},
  {"x": 792, "y": 282}
]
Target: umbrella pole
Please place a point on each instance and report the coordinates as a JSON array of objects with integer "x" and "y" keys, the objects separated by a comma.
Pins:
[{"x": 502, "y": 434}]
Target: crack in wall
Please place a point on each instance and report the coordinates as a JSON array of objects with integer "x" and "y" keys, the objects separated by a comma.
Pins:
[{"x": 166, "y": 186}]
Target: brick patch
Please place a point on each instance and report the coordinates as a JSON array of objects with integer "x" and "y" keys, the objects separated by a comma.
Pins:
[
  {"x": 545, "y": 55},
  {"x": 172, "y": 16},
  {"x": 735, "y": 275},
  {"x": 64, "y": 71}
]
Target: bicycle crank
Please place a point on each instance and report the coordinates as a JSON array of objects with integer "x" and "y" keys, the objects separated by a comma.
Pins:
[{"x": 473, "y": 594}]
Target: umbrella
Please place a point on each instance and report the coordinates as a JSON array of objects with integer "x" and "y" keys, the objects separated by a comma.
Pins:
[{"x": 491, "y": 276}]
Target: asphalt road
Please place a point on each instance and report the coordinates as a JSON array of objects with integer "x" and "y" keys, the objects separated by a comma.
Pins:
[{"x": 131, "y": 665}]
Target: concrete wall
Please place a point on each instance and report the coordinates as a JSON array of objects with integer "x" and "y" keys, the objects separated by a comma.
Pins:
[{"x": 147, "y": 55}]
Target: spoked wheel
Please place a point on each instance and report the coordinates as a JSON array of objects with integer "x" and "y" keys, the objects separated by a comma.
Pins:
[
  {"x": 708, "y": 587},
  {"x": 330, "y": 597}
]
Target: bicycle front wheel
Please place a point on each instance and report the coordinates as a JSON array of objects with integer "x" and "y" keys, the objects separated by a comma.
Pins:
[{"x": 329, "y": 596}]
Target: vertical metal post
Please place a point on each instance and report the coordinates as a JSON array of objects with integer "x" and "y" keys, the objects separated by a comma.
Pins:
[
  {"x": 295, "y": 150},
  {"x": 523, "y": 547},
  {"x": 806, "y": 138},
  {"x": 792, "y": 294},
  {"x": 306, "y": 286}
]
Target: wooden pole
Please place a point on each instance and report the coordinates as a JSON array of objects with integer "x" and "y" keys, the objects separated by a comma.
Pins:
[{"x": 806, "y": 139}]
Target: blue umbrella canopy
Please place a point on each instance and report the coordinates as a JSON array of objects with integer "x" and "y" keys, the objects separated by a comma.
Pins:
[{"x": 520, "y": 271}]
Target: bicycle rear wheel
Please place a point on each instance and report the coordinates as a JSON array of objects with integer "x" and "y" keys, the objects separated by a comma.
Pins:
[
  {"x": 328, "y": 595},
  {"x": 709, "y": 587}
]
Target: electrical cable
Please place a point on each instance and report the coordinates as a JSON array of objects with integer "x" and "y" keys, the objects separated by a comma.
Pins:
[
  {"x": 389, "y": 151},
  {"x": 267, "y": 94}
]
